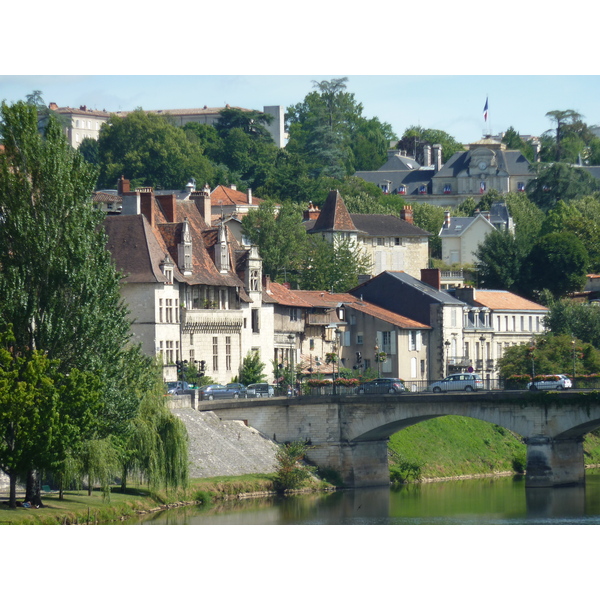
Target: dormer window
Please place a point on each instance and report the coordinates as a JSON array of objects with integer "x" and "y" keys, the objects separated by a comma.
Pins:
[
  {"x": 402, "y": 189},
  {"x": 166, "y": 267}
]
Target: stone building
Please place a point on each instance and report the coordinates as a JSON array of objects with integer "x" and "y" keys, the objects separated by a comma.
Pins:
[
  {"x": 389, "y": 242},
  {"x": 194, "y": 293}
]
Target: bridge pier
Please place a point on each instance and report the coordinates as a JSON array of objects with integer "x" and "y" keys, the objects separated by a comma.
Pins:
[
  {"x": 360, "y": 464},
  {"x": 553, "y": 462}
]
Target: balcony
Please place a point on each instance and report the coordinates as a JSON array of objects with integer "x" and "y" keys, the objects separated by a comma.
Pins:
[
  {"x": 211, "y": 321},
  {"x": 459, "y": 361}
]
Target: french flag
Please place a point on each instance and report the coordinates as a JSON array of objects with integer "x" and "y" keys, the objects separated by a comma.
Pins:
[{"x": 485, "y": 110}]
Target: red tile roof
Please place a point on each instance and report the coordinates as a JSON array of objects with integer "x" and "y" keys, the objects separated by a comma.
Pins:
[
  {"x": 502, "y": 300},
  {"x": 225, "y": 196}
]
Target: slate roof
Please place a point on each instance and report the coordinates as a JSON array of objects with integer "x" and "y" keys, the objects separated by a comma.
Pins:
[
  {"x": 387, "y": 225},
  {"x": 412, "y": 179},
  {"x": 401, "y": 293},
  {"x": 458, "y": 225},
  {"x": 511, "y": 161},
  {"x": 335, "y": 217}
]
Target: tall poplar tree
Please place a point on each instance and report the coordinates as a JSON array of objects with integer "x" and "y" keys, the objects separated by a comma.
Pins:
[{"x": 60, "y": 296}]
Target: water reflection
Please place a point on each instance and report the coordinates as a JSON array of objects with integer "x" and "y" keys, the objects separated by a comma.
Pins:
[{"x": 487, "y": 501}]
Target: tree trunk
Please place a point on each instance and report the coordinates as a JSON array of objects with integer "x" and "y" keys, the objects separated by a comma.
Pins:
[
  {"x": 33, "y": 492},
  {"x": 12, "y": 500},
  {"x": 124, "y": 481}
]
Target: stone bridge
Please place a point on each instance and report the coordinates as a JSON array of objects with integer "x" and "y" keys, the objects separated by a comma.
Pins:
[{"x": 350, "y": 433}]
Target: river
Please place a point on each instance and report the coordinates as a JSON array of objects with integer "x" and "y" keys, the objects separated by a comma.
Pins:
[{"x": 486, "y": 501}]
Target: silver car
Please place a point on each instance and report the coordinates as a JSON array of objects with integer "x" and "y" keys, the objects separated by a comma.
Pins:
[
  {"x": 466, "y": 382},
  {"x": 557, "y": 382}
]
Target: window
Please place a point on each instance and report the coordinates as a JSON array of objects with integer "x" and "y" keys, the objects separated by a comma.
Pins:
[
  {"x": 312, "y": 344},
  {"x": 160, "y": 310},
  {"x": 255, "y": 321},
  {"x": 228, "y": 353},
  {"x": 169, "y": 353},
  {"x": 192, "y": 355},
  {"x": 215, "y": 352},
  {"x": 386, "y": 339},
  {"x": 254, "y": 280},
  {"x": 397, "y": 241},
  {"x": 293, "y": 314},
  {"x": 412, "y": 340},
  {"x": 169, "y": 310},
  {"x": 380, "y": 241},
  {"x": 359, "y": 338},
  {"x": 453, "y": 317}
]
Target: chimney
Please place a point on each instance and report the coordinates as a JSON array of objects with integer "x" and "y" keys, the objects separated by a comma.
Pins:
[
  {"x": 312, "y": 213},
  {"x": 123, "y": 186},
  {"x": 433, "y": 277},
  {"x": 466, "y": 294},
  {"x": 53, "y": 106},
  {"x": 233, "y": 187},
  {"x": 427, "y": 155},
  {"x": 169, "y": 207},
  {"x": 486, "y": 214},
  {"x": 446, "y": 219},
  {"x": 203, "y": 203},
  {"x": 407, "y": 214},
  {"x": 437, "y": 157},
  {"x": 147, "y": 204},
  {"x": 249, "y": 193},
  {"x": 267, "y": 284}
]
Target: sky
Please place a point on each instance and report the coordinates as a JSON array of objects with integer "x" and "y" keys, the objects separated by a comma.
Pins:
[
  {"x": 452, "y": 103},
  {"x": 429, "y": 65}
]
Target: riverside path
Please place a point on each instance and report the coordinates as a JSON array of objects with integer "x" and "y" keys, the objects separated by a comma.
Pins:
[{"x": 350, "y": 433}]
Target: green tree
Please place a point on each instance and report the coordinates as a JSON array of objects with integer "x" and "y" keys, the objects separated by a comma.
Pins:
[
  {"x": 567, "y": 140},
  {"x": 291, "y": 473},
  {"x": 500, "y": 259},
  {"x": 559, "y": 181},
  {"x": 43, "y": 413},
  {"x": 330, "y": 133},
  {"x": 149, "y": 151},
  {"x": 90, "y": 150},
  {"x": 60, "y": 290},
  {"x": 550, "y": 354},
  {"x": 334, "y": 267},
  {"x": 416, "y": 137},
  {"x": 280, "y": 236},
  {"x": 430, "y": 218},
  {"x": 252, "y": 369},
  {"x": 514, "y": 141},
  {"x": 569, "y": 317},
  {"x": 557, "y": 262}
]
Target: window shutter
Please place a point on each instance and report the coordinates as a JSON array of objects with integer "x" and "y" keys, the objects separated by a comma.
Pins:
[{"x": 418, "y": 340}]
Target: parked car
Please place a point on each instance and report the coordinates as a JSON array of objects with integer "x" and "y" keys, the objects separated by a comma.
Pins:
[
  {"x": 383, "y": 385},
  {"x": 179, "y": 387},
  {"x": 466, "y": 382},
  {"x": 554, "y": 382},
  {"x": 241, "y": 389},
  {"x": 260, "y": 390},
  {"x": 215, "y": 391}
]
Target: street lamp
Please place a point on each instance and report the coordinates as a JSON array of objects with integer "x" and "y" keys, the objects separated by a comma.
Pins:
[
  {"x": 573, "y": 346},
  {"x": 482, "y": 341},
  {"x": 291, "y": 338},
  {"x": 447, "y": 344}
]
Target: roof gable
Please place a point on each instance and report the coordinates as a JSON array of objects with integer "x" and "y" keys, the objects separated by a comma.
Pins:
[{"x": 334, "y": 215}]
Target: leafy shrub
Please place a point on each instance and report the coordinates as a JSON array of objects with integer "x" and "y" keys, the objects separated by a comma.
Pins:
[{"x": 291, "y": 473}]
